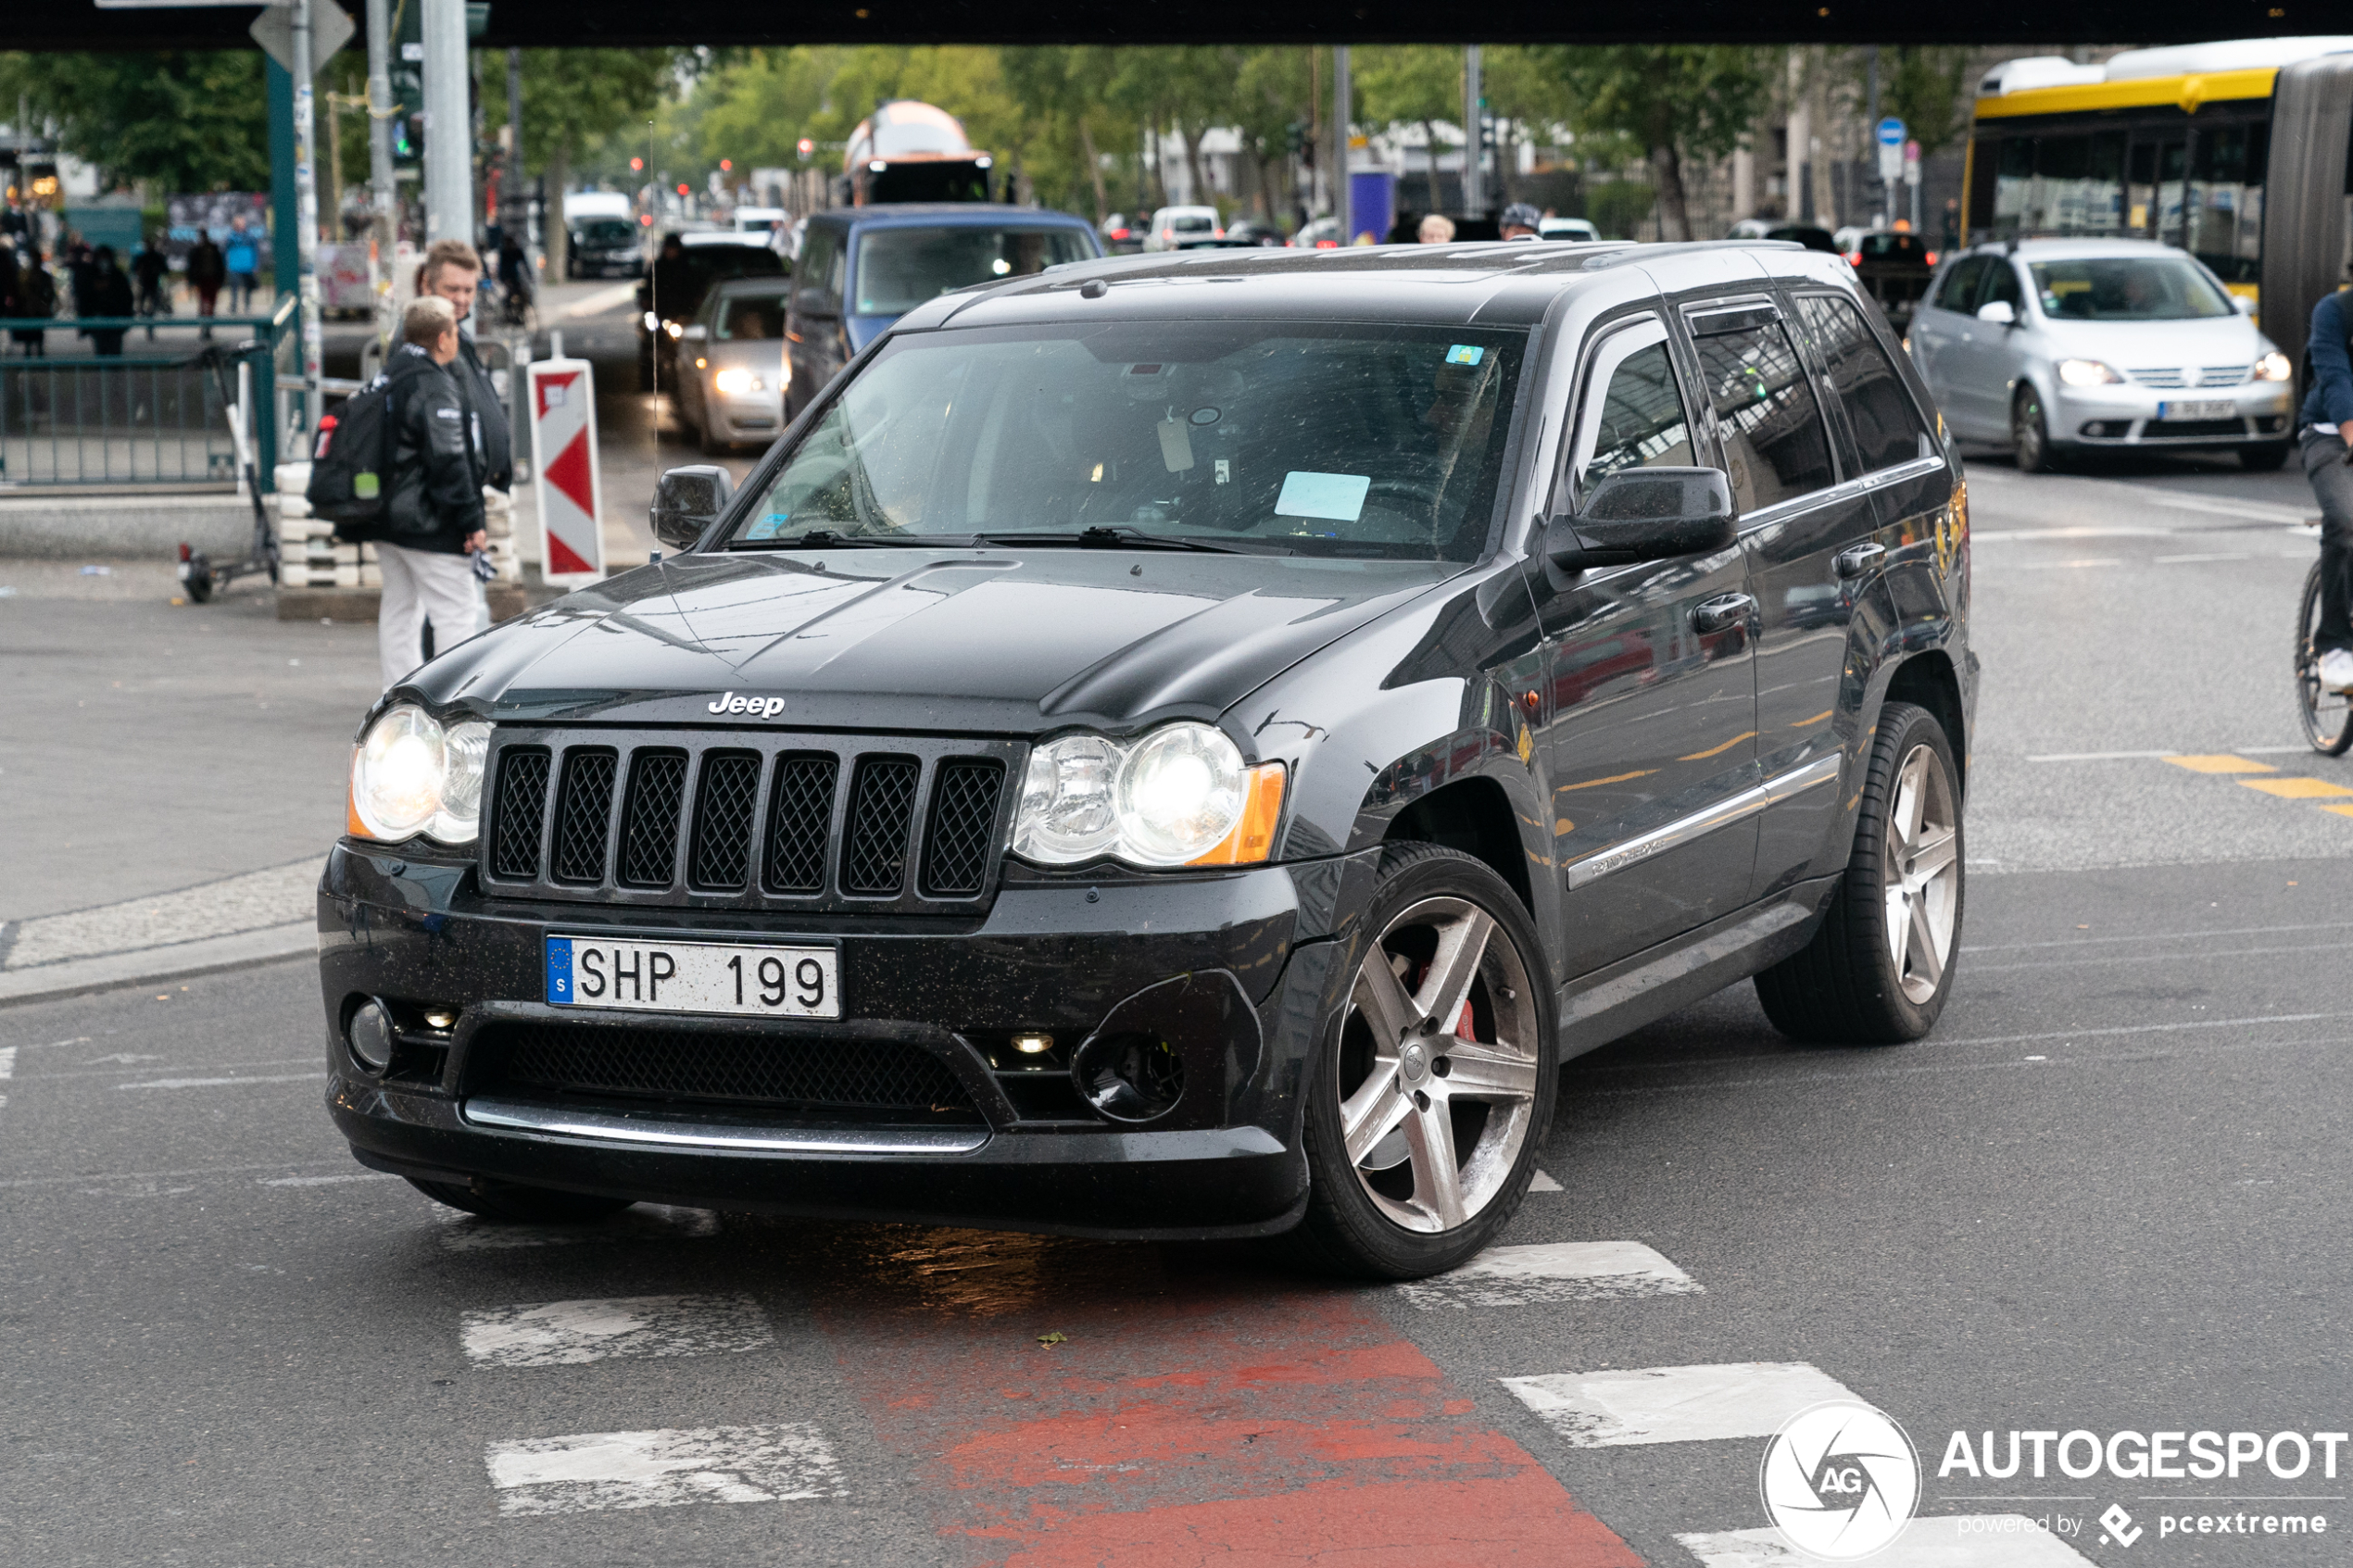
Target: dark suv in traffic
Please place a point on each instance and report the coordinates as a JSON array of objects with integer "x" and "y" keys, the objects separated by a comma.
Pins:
[{"x": 1186, "y": 746}]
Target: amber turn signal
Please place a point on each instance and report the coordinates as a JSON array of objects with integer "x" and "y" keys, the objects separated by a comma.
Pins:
[{"x": 1253, "y": 837}]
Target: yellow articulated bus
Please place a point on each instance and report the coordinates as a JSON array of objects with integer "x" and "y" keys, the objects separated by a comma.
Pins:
[{"x": 2235, "y": 151}]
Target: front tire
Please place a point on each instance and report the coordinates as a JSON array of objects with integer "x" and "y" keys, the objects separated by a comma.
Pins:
[
  {"x": 1879, "y": 971},
  {"x": 1433, "y": 1084},
  {"x": 2030, "y": 432},
  {"x": 511, "y": 1204}
]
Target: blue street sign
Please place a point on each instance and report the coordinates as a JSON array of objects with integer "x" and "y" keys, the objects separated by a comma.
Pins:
[{"x": 1890, "y": 132}]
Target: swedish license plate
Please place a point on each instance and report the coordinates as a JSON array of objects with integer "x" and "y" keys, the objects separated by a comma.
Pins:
[
  {"x": 2209, "y": 409},
  {"x": 711, "y": 977}
]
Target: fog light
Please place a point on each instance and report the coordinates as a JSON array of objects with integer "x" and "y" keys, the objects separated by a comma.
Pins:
[
  {"x": 1033, "y": 1045},
  {"x": 370, "y": 1037},
  {"x": 441, "y": 1018},
  {"x": 1131, "y": 1077}
]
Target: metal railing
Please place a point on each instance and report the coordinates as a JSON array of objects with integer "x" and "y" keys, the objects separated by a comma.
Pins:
[{"x": 184, "y": 419}]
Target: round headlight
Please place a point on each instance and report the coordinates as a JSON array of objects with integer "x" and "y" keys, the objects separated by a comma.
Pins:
[
  {"x": 1180, "y": 794},
  {"x": 464, "y": 748},
  {"x": 1067, "y": 811},
  {"x": 397, "y": 774}
]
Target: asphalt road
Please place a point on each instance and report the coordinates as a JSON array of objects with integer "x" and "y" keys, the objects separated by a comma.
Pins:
[{"x": 2108, "y": 1195}]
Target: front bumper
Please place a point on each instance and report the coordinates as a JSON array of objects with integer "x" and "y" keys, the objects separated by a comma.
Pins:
[
  {"x": 2128, "y": 414},
  {"x": 750, "y": 417},
  {"x": 1212, "y": 963}
]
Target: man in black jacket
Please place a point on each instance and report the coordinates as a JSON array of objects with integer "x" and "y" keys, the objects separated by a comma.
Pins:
[
  {"x": 451, "y": 271},
  {"x": 433, "y": 516}
]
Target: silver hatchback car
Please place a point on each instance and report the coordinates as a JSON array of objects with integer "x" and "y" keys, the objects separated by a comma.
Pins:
[{"x": 2053, "y": 347}]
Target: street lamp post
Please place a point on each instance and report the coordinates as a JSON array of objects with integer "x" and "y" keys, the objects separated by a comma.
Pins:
[{"x": 314, "y": 340}]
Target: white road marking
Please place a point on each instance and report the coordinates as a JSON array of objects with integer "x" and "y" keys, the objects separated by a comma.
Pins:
[
  {"x": 601, "y": 301},
  {"x": 2161, "y": 936},
  {"x": 210, "y": 1082},
  {"x": 1566, "y": 1270},
  {"x": 1945, "y": 1540},
  {"x": 1674, "y": 1404},
  {"x": 647, "y": 1221},
  {"x": 2184, "y": 561},
  {"x": 325, "y": 1181},
  {"x": 2064, "y": 565},
  {"x": 2002, "y": 536},
  {"x": 570, "y": 1333},
  {"x": 1542, "y": 1183},
  {"x": 7, "y": 1062},
  {"x": 664, "y": 1469}
]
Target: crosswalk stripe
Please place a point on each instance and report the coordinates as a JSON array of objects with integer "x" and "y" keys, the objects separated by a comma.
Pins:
[
  {"x": 596, "y": 1471},
  {"x": 569, "y": 1332},
  {"x": 1542, "y": 1183},
  {"x": 1566, "y": 1270},
  {"x": 1969, "y": 1540},
  {"x": 1674, "y": 1404}
]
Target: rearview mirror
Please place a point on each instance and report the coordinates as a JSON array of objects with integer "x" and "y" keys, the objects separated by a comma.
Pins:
[
  {"x": 1645, "y": 514},
  {"x": 688, "y": 501},
  {"x": 1999, "y": 312}
]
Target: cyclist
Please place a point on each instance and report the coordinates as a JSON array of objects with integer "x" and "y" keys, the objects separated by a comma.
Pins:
[
  {"x": 514, "y": 277},
  {"x": 2328, "y": 409}
]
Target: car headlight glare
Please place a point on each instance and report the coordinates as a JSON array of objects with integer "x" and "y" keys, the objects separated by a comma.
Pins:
[
  {"x": 2085, "y": 372},
  {"x": 1180, "y": 796},
  {"x": 2273, "y": 367},
  {"x": 674, "y": 327},
  {"x": 736, "y": 381},
  {"x": 653, "y": 322},
  {"x": 412, "y": 775}
]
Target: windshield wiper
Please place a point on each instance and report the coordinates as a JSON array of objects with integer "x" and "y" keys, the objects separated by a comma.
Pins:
[
  {"x": 826, "y": 539},
  {"x": 1125, "y": 537}
]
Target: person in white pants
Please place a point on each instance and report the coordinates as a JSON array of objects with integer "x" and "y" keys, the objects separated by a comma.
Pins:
[{"x": 436, "y": 499}]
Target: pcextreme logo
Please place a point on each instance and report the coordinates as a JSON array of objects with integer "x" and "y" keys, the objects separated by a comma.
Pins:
[{"x": 1840, "y": 1480}]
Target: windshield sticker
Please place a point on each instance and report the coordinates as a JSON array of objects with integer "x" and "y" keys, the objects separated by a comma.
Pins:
[
  {"x": 768, "y": 527},
  {"x": 1466, "y": 354},
  {"x": 1175, "y": 446},
  {"x": 1339, "y": 497}
]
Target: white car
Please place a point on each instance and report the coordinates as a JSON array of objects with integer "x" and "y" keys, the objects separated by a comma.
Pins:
[
  {"x": 2049, "y": 346},
  {"x": 1174, "y": 228},
  {"x": 1576, "y": 229}
]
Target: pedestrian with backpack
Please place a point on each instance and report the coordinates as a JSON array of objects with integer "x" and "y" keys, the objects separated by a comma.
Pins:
[{"x": 431, "y": 518}]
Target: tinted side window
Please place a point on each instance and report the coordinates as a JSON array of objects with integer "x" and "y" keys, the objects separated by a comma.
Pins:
[
  {"x": 1775, "y": 446},
  {"x": 1960, "y": 285},
  {"x": 820, "y": 275},
  {"x": 1886, "y": 425},
  {"x": 1641, "y": 422},
  {"x": 2001, "y": 283}
]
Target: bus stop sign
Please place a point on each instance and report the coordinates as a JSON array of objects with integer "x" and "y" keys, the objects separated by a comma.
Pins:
[{"x": 1891, "y": 148}]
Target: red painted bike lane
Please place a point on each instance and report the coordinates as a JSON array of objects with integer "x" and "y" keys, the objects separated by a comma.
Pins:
[{"x": 1200, "y": 1408}]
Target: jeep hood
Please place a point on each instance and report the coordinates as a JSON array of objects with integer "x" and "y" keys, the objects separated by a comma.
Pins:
[{"x": 994, "y": 641}]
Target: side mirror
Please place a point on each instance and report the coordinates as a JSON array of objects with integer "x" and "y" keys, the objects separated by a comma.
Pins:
[
  {"x": 2242, "y": 304},
  {"x": 1645, "y": 514},
  {"x": 696, "y": 332},
  {"x": 1999, "y": 312},
  {"x": 688, "y": 501}
]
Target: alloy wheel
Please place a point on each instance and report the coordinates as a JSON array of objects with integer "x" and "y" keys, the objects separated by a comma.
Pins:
[
  {"x": 2026, "y": 431},
  {"x": 1438, "y": 1065},
  {"x": 1922, "y": 874}
]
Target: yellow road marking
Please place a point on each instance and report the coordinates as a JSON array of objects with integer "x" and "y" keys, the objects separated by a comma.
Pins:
[
  {"x": 2220, "y": 763},
  {"x": 2296, "y": 789},
  {"x": 1817, "y": 717},
  {"x": 1714, "y": 750},
  {"x": 1614, "y": 778},
  {"x": 2340, "y": 810}
]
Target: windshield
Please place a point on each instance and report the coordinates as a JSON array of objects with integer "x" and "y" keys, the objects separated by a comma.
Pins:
[
  {"x": 1896, "y": 247},
  {"x": 898, "y": 269},
  {"x": 740, "y": 316},
  {"x": 1343, "y": 440},
  {"x": 1191, "y": 223},
  {"x": 2127, "y": 288},
  {"x": 607, "y": 231}
]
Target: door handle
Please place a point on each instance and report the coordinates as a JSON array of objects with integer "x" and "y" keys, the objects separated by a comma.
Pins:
[
  {"x": 1722, "y": 611},
  {"x": 1861, "y": 559}
]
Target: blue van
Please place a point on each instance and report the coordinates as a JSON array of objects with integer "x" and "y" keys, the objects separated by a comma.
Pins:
[{"x": 861, "y": 268}]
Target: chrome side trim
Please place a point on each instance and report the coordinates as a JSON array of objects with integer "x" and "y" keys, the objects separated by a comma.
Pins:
[
  {"x": 514, "y": 1117},
  {"x": 1724, "y": 813}
]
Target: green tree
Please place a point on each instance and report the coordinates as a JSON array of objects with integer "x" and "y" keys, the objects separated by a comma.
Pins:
[
  {"x": 574, "y": 99},
  {"x": 1411, "y": 85},
  {"x": 1678, "y": 102},
  {"x": 182, "y": 121},
  {"x": 1924, "y": 90}
]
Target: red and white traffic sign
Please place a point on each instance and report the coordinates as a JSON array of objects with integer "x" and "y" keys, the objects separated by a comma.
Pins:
[{"x": 570, "y": 482}]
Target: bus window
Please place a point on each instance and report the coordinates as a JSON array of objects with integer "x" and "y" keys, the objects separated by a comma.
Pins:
[
  {"x": 2064, "y": 184},
  {"x": 2225, "y": 206}
]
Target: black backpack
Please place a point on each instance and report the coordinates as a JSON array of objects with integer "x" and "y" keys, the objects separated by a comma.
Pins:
[{"x": 351, "y": 469}]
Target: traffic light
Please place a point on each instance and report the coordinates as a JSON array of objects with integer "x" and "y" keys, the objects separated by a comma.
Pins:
[
  {"x": 682, "y": 188},
  {"x": 408, "y": 78},
  {"x": 1295, "y": 138},
  {"x": 636, "y": 166},
  {"x": 726, "y": 165},
  {"x": 806, "y": 149}
]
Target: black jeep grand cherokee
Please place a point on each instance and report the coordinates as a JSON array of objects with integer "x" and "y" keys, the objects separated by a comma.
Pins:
[{"x": 1184, "y": 746}]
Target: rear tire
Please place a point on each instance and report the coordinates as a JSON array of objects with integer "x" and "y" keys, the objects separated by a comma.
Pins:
[
  {"x": 1447, "y": 1124},
  {"x": 2328, "y": 716},
  {"x": 509, "y": 1204},
  {"x": 1879, "y": 970}
]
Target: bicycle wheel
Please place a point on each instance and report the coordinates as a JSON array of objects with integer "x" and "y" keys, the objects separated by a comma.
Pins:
[{"x": 2328, "y": 716}]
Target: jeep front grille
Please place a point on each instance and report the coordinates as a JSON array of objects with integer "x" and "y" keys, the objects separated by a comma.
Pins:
[{"x": 746, "y": 821}]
